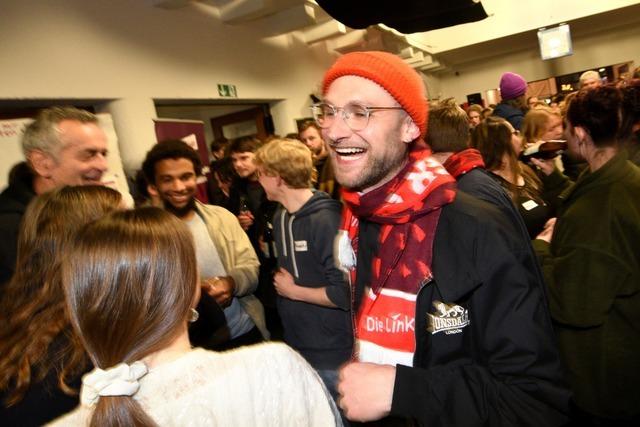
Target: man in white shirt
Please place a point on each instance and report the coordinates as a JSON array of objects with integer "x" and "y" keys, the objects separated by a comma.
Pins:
[{"x": 228, "y": 264}]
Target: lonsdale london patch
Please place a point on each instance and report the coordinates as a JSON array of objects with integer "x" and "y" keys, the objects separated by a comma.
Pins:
[{"x": 448, "y": 318}]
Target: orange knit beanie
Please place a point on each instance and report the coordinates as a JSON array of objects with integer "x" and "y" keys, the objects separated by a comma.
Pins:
[{"x": 392, "y": 73}]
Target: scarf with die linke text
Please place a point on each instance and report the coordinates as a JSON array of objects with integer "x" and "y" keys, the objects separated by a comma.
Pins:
[{"x": 408, "y": 208}]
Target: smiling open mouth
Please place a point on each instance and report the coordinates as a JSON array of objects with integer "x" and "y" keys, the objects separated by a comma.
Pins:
[
  {"x": 179, "y": 198},
  {"x": 349, "y": 151}
]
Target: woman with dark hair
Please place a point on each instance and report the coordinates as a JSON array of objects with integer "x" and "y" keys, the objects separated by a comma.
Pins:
[
  {"x": 131, "y": 282},
  {"x": 219, "y": 187},
  {"x": 591, "y": 261},
  {"x": 500, "y": 145},
  {"x": 41, "y": 358}
]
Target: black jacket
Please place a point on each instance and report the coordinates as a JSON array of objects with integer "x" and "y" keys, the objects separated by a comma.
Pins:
[
  {"x": 44, "y": 401},
  {"x": 479, "y": 183},
  {"x": 252, "y": 196},
  {"x": 304, "y": 243},
  {"x": 592, "y": 269},
  {"x": 13, "y": 203},
  {"x": 494, "y": 361}
]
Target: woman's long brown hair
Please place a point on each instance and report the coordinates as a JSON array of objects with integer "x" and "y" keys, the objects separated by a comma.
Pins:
[
  {"x": 492, "y": 137},
  {"x": 129, "y": 282},
  {"x": 36, "y": 336}
]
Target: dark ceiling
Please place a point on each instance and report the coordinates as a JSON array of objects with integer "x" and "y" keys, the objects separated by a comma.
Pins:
[{"x": 406, "y": 16}]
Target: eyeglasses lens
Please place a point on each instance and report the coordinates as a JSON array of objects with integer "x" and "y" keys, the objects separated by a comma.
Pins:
[{"x": 355, "y": 116}]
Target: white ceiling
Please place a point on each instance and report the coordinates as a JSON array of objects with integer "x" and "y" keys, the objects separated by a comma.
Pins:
[{"x": 511, "y": 26}]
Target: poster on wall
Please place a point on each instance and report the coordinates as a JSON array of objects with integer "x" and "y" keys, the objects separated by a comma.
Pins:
[
  {"x": 10, "y": 133},
  {"x": 192, "y": 133},
  {"x": 10, "y": 147}
]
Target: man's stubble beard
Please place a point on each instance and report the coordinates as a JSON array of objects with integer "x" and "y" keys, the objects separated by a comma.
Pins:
[
  {"x": 183, "y": 211},
  {"x": 372, "y": 173}
]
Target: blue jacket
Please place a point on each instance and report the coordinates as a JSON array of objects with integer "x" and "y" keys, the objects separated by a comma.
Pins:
[{"x": 513, "y": 115}]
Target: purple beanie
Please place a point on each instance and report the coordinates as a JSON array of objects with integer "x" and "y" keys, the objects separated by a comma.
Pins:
[{"x": 512, "y": 85}]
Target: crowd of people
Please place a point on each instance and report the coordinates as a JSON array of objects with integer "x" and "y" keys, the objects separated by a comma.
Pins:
[{"x": 398, "y": 261}]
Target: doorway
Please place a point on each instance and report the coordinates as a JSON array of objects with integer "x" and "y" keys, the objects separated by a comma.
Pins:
[{"x": 229, "y": 120}]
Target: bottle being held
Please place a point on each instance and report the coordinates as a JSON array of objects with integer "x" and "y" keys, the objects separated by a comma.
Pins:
[
  {"x": 245, "y": 217},
  {"x": 545, "y": 150},
  {"x": 244, "y": 208},
  {"x": 267, "y": 242}
]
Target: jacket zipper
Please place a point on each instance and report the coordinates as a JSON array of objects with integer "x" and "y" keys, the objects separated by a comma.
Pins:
[
  {"x": 293, "y": 251},
  {"x": 426, "y": 282},
  {"x": 284, "y": 236}
]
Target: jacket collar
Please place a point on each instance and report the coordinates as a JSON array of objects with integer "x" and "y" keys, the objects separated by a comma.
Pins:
[{"x": 610, "y": 172}]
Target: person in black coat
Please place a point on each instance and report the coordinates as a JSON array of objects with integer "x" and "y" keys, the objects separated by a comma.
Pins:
[
  {"x": 452, "y": 327},
  {"x": 248, "y": 201},
  {"x": 62, "y": 146}
]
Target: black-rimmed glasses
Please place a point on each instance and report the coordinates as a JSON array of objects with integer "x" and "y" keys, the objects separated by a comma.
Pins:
[{"x": 356, "y": 116}]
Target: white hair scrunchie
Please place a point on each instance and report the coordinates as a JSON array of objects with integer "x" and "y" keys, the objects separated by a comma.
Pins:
[{"x": 120, "y": 380}]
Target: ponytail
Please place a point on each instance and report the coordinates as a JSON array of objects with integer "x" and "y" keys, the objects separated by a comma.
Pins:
[
  {"x": 130, "y": 282},
  {"x": 119, "y": 411}
]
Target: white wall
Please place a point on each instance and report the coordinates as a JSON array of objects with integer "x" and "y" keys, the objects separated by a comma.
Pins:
[
  {"x": 592, "y": 51},
  {"x": 128, "y": 50},
  {"x": 507, "y": 17},
  {"x": 128, "y": 53},
  {"x": 434, "y": 86}
]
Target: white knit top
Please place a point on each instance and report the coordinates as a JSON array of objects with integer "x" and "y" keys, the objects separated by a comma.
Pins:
[{"x": 262, "y": 385}]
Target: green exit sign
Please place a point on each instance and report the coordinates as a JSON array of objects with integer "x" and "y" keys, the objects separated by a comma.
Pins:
[{"x": 227, "y": 91}]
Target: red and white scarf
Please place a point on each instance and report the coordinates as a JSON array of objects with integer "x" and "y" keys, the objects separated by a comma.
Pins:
[
  {"x": 463, "y": 161},
  {"x": 408, "y": 208}
]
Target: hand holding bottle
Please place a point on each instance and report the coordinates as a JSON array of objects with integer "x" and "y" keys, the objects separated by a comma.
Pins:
[
  {"x": 546, "y": 166},
  {"x": 245, "y": 217},
  {"x": 544, "y": 150},
  {"x": 547, "y": 232}
]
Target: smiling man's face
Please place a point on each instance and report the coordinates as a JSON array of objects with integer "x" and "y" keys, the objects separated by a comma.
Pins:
[
  {"x": 368, "y": 158},
  {"x": 175, "y": 183},
  {"x": 82, "y": 160}
]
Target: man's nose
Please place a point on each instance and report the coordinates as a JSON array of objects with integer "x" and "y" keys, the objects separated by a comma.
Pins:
[
  {"x": 178, "y": 185},
  {"x": 338, "y": 129},
  {"x": 100, "y": 162}
]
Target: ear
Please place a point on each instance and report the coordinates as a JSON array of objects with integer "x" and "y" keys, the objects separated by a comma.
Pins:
[
  {"x": 152, "y": 190},
  {"x": 42, "y": 163},
  {"x": 410, "y": 131},
  {"x": 581, "y": 134}
]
